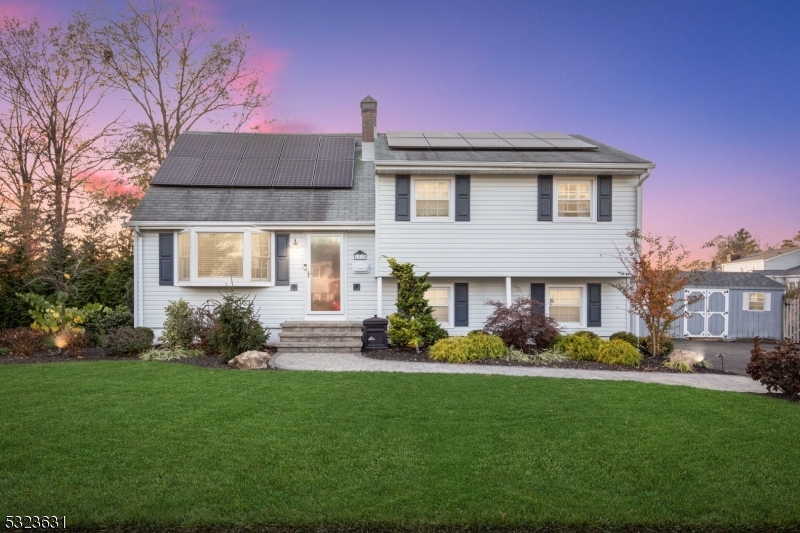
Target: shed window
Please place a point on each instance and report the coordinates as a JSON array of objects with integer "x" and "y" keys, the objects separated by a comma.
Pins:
[
  {"x": 574, "y": 198},
  {"x": 756, "y": 301},
  {"x": 565, "y": 305},
  {"x": 439, "y": 299}
]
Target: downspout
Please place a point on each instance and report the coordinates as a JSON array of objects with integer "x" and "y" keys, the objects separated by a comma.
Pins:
[
  {"x": 139, "y": 290},
  {"x": 639, "y": 195}
]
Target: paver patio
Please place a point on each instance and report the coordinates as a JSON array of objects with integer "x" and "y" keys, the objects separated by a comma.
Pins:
[{"x": 356, "y": 362}]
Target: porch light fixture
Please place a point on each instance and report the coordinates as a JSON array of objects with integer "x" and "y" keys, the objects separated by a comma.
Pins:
[
  {"x": 360, "y": 256},
  {"x": 295, "y": 245}
]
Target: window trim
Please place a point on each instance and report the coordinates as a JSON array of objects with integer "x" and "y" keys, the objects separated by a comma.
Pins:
[
  {"x": 581, "y": 302},
  {"x": 763, "y": 301},
  {"x": 247, "y": 271},
  {"x": 592, "y": 199},
  {"x": 451, "y": 198},
  {"x": 450, "y": 303}
]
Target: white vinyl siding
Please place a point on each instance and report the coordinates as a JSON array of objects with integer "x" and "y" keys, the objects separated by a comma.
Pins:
[
  {"x": 275, "y": 304},
  {"x": 219, "y": 255},
  {"x": 504, "y": 237}
]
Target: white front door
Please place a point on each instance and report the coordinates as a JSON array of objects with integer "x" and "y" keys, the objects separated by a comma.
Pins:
[
  {"x": 325, "y": 296},
  {"x": 709, "y": 316}
]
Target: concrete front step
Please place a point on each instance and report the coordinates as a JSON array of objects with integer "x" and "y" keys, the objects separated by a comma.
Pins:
[
  {"x": 303, "y": 334},
  {"x": 317, "y": 349},
  {"x": 321, "y": 324},
  {"x": 320, "y": 332},
  {"x": 321, "y": 343},
  {"x": 320, "y": 336}
]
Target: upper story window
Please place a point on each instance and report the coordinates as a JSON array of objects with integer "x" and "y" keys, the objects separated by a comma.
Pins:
[
  {"x": 565, "y": 304},
  {"x": 432, "y": 199},
  {"x": 439, "y": 299},
  {"x": 574, "y": 198},
  {"x": 755, "y": 301},
  {"x": 215, "y": 257}
]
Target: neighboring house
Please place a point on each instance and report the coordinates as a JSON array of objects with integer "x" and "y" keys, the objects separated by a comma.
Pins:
[
  {"x": 777, "y": 259},
  {"x": 303, "y": 223},
  {"x": 789, "y": 277},
  {"x": 734, "y": 305}
]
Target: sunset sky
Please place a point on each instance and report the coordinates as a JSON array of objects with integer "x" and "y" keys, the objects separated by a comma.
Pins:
[{"x": 709, "y": 91}]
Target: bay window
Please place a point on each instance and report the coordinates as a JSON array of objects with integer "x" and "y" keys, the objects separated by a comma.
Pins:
[{"x": 216, "y": 258}]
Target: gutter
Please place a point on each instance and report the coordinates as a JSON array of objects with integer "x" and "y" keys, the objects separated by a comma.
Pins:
[
  {"x": 642, "y": 179},
  {"x": 389, "y": 167},
  {"x": 299, "y": 226}
]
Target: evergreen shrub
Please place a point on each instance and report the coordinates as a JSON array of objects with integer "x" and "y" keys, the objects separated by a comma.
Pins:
[{"x": 618, "y": 352}]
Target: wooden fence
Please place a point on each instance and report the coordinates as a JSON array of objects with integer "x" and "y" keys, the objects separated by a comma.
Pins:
[{"x": 791, "y": 319}]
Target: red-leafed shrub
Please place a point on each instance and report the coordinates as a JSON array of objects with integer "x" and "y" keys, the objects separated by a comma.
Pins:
[
  {"x": 779, "y": 369},
  {"x": 22, "y": 341},
  {"x": 521, "y": 326}
]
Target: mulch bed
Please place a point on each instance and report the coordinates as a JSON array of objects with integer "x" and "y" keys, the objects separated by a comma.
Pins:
[
  {"x": 97, "y": 354},
  {"x": 648, "y": 364}
]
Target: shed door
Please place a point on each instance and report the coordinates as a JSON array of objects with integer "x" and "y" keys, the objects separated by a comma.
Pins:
[{"x": 708, "y": 317}]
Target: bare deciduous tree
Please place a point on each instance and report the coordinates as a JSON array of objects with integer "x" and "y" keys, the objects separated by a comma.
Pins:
[
  {"x": 656, "y": 280},
  {"x": 177, "y": 73}
]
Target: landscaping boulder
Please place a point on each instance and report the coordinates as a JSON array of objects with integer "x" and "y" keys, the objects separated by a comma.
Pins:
[
  {"x": 686, "y": 356},
  {"x": 251, "y": 360}
]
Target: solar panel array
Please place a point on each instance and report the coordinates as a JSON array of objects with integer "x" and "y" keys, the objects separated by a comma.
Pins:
[
  {"x": 486, "y": 140},
  {"x": 258, "y": 160}
]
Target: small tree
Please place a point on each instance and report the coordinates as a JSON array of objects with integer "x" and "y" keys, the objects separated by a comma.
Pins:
[
  {"x": 413, "y": 325},
  {"x": 655, "y": 281}
]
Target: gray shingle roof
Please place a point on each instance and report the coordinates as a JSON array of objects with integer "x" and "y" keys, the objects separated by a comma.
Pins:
[
  {"x": 603, "y": 154},
  {"x": 732, "y": 280},
  {"x": 197, "y": 204},
  {"x": 787, "y": 272},
  {"x": 768, "y": 254}
]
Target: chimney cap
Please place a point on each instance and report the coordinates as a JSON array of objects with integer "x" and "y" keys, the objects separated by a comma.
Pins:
[{"x": 369, "y": 103}]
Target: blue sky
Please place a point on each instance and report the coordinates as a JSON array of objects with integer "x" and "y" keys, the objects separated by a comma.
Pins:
[{"x": 709, "y": 91}]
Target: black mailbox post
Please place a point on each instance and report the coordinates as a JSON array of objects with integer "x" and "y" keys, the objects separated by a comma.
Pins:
[{"x": 375, "y": 336}]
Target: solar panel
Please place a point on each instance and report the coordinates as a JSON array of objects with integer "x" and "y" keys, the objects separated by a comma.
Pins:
[
  {"x": 407, "y": 142},
  {"x": 215, "y": 172},
  {"x": 333, "y": 173},
  {"x": 176, "y": 170},
  {"x": 530, "y": 144},
  {"x": 448, "y": 143},
  {"x": 337, "y": 148},
  {"x": 294, "y": 173},
  {"x": 228, "y": 145},
  {"x": 477, "y": 134},
  {"x": 551, "y": 135},
  {"x": 441, "y": 134},
  {"x": 255, "y": 173},
  {"x": 513, "y": 135},
  {"x": 264, "y": 147},
  {"x": 417, "y": 134},
  {"x": 300, "y": 147},
  {"x": 191, "y": 144},
  {"x": 490, "y": 143},
  {"x": 571, "y": 143}
]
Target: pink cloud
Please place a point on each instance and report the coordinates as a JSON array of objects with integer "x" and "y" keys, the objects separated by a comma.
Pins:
[
  {"x": 26, "y": 10},
  {"x": 111, "y": 184}
]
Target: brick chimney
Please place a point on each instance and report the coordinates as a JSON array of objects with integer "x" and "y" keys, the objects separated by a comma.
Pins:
[
  {"x": 733, "y": 257},
  {"x": 369, "y": 123}
]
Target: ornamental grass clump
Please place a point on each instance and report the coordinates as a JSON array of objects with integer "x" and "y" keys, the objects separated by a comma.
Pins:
[{"x": 618, "y": 352}]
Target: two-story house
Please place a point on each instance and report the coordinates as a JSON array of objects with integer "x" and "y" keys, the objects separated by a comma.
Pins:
[{"x": 303, "y": 223}]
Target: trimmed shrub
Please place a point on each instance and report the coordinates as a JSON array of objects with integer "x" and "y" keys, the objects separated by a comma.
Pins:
[
  {"x": 618, "y": 352},
  {"x": 630, "y": 338},
  {"x": 237, "y": 328},
  {"x": 645, "y": 345},
  {"x": 520, "y": 326},
  {"x": 779, "y": 369},
  {"x": 104, "y": 322},
  {"x": 22, "y": 341},
  {"x": 588, "y": 334},
  {"x": 473, "y": 347},
  {"x": 179, "y": 325},
  {"x": 451, "y": 350},
  {"x": 581, "y": 346},
  {"x": 413, "y": 325},
  {"x": 127, "y": 341}
]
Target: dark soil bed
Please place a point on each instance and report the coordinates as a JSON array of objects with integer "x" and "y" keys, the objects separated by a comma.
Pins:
[{"x": 648, "y": 364}]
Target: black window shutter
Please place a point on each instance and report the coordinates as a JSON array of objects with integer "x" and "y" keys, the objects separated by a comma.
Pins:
[
  {"x": 462, "y": 198},
  {"x": 594, "y": 306},
  {"x": 604, "y": 198},
  {"x": 546, "y": 198},
  {"x": 462, "y": 304},
  {"x": 282, "y": 259},
  {"x": 537, "y": 294},
  {"x": 402, "y": 198},
  {"x": 165, "y": 254}
]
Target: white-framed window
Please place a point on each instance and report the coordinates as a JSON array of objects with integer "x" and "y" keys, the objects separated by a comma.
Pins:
[
  {"x": 210, "y": 257},
  {"x": 565, "y": 304},
  {"x": 574, "y": 199},
  {"x": 432, "y": 199},
  {"x": 755, "y": 301},
  {"x": 792, "y": 284},
  {"x": 439, "y": 299}
]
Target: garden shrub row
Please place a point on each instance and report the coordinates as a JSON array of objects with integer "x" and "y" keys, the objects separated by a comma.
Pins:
[{"x": 587, "y": 346}]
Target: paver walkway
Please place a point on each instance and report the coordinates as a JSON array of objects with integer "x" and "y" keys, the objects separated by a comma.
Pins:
[{"x": 358, "y": 363}]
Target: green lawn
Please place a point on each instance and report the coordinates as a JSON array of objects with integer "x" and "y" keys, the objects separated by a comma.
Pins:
[{"x": 165, "y": 444}]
